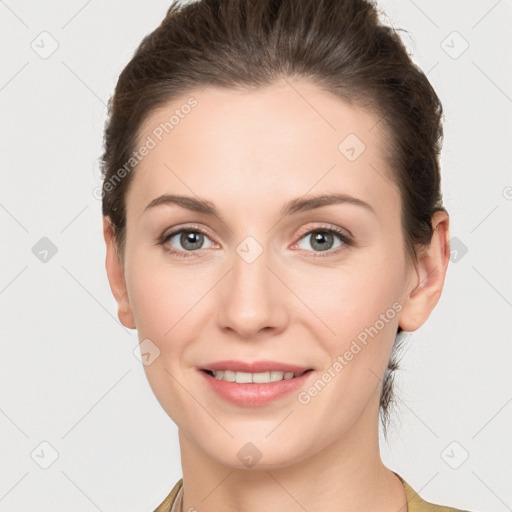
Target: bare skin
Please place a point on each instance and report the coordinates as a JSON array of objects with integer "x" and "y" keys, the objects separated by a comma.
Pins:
[{"x": 250, "y": 153}]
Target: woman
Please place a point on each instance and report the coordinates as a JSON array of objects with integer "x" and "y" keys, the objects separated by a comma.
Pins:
[{"x": 274, "y": 222}]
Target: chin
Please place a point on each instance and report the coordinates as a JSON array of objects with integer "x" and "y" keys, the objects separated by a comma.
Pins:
[{"x": 256, "y": 455}]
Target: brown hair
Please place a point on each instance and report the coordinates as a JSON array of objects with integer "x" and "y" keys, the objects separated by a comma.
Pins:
[{"x": 340, "y": 45}]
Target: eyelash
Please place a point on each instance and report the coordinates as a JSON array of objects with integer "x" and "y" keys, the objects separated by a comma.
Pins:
[{"x": 343, "y": 236}]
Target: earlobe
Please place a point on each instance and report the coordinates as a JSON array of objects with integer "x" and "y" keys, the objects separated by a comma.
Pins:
[
  {"x": 430, "y": 275},
  {"x": 116, "y": 277}
]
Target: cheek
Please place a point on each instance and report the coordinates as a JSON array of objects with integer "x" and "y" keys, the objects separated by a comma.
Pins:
[
  {"x": 163, "y": 301},
  {"x": 150, "y": 297},
  {"x": 361, "y": 308},
  {"x": 351, "y": 299}
]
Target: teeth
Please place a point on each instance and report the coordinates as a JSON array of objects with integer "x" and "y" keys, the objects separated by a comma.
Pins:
[{"x": 259, "y": 378}]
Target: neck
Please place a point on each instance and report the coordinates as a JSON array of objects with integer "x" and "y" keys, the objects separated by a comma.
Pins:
[{"x": 347, "y": 475}]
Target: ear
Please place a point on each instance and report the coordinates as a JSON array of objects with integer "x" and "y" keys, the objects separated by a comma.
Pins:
[
  {"x": 116, "y": 278},
  {"x": 430, "y": 274}
]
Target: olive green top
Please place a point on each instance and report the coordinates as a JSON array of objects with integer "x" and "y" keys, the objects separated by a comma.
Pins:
[{"x": 415, "y": 503}]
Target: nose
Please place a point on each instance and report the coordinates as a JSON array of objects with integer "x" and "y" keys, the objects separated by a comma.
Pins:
[{"x": 252, "y": 298}]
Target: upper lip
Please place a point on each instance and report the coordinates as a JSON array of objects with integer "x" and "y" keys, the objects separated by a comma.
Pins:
[{"x": 255, "y": 366}]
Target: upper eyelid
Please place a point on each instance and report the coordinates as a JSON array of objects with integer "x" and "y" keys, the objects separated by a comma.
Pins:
[
  {"x": 189, "y": 227},
  {"x": 326, "y": 227}
]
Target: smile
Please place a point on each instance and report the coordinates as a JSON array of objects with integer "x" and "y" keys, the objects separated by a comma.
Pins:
[
  {"x": 253, "y": 389},
  {"x": 258, "y": 378}
]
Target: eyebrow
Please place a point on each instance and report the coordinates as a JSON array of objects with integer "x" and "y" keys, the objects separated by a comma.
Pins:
[{"x": 296, "y": 205}]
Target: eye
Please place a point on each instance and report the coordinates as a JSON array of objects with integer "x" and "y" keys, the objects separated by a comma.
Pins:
[
  {"x": 323, "y": 239},
  {"x": 188, "y": 240},
  {"x": 183, "y": 242}
]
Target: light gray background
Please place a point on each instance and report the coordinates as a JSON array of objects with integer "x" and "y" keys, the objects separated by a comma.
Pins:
[{"x": 68, "y": 375}]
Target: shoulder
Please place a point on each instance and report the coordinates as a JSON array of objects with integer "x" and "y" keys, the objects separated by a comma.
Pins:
[
  {"x": 168, "y": 502},
  {"x": 415, "y": 503}
]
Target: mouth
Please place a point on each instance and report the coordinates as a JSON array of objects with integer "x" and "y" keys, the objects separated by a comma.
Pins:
[
  {"x": 242, "y": 377},
  {"x": 256, "y": 388},
  {"x": 261, "y": 366}
]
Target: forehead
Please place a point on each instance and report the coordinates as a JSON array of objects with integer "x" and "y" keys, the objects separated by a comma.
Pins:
[{"x": 286, "y": 139}]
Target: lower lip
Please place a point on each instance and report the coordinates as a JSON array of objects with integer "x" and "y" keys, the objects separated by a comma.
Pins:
[{"x": 253, "y": 394}]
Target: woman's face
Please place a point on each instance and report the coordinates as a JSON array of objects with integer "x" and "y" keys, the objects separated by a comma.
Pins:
[{"x": 251, "y": 282}]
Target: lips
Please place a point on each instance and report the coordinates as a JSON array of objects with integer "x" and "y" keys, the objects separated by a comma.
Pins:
[{"x": 254, "y": 394}]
